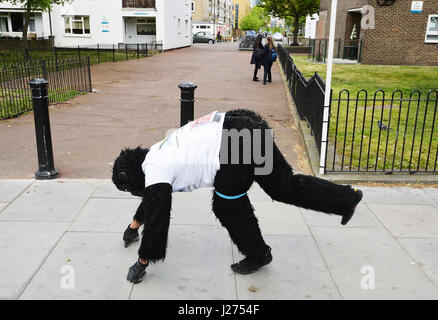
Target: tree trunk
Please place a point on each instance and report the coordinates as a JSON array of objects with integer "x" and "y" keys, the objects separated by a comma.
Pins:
[
  {"x": 25, "y": 29},
  {"x": 296, "y": 25}
]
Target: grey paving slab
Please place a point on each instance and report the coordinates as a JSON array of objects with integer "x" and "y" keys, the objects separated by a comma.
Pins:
[
  {"x": 425, "y": 254},
  {"x": 98, "y": 263},
  {"x": 353, "y": 255},
  {"x": 280, "y": 219},
  {"x": 3, "y": 205},
  {"x": 49, "y": 201},
  {"x": 105, "y": 215},
  {"x": 363, "y": 218},
  {"x": 408, "y": 220},
  {"x": 193, "y": 208},
  {"x": 23, "y": 248},
  {"x": 297, "y": 271},
  {"x": 430, "y": 194},
  {"x": 197, "y": 266},
  {"x": 256, "y": 193},
  {"x": 9, "y": 189},
  {"x": 106, "y": 189},
  {"x": 395, "y": 195}
]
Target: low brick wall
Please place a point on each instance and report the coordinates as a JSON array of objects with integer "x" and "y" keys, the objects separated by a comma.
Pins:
[{"x": 298, "y": 49}]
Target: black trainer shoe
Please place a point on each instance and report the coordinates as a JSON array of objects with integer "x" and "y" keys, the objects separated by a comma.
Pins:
[
  {"x": 347, "y": 217},
  {"x": 247, "y": 266}
]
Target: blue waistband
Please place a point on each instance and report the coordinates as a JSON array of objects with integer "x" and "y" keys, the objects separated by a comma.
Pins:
[{"x": 229, "y": 197}]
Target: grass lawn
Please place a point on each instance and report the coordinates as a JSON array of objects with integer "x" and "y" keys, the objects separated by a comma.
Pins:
[
  {"x": 14, "y": 102},
  {"x": 371, "y": 77},
  {"x": 9, "y": 58},
  {"x": 411, "y": 143}
]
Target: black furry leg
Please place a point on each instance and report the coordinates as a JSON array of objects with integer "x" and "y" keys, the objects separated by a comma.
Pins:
[
  {"x": 307, "y": 191},
  {"x": 237, "y": 216}
]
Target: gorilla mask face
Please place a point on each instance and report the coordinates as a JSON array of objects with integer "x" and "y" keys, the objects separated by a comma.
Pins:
[{"x": 127, "y": 172}]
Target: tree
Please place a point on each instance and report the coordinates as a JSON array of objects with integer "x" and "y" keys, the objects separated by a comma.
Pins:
[
  {"x": 254, "y": 20},
  {"x": 287, "y": 9},
  {"x": 32, "y": 6}
]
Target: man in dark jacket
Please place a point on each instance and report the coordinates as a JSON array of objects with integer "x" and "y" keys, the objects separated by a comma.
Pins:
[{"x": 257, "y": 56}]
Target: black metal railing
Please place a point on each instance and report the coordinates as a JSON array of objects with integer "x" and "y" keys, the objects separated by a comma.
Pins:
[
  {"x": 67, "y": 78},
  {"x": 98, "y": 53},
  {"x": 308, "y": 95},
  {"x": 342, "y": 49},
  {"x": 381, "y": 133},
  {"x": 145, "y": 4},
  {"x": 368, "y": 133}
]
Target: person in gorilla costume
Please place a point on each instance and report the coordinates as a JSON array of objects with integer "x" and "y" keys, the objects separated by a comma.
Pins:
[{"x": 190, "y": 158}]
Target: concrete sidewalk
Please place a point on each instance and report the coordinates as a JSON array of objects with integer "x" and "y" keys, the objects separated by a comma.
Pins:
[{"x": 50, "y": 230}]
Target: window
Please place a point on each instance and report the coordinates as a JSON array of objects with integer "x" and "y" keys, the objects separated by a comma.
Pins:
[
  {"x": 432, "y": 29},
  {"x": 4, "y": 26},
  {"x": 146, "y": 27},
  {"x": 32, "y": 27},
  {"x": 17, "y": 19},
  {"x": 77, "y": 25},
  {"x": 17, "y": 23}
]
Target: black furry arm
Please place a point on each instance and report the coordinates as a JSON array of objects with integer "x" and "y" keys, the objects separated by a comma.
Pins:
[
  {"x": 157, "y": 203},
  {"x": 140, "y": 213}
]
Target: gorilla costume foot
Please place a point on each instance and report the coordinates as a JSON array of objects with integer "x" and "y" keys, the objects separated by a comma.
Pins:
[
  {"x": 247, "y": 266},
  {"x": 136, "y": 272},
  {"x": 130, "y": 235},
  {"x": 347, "y": 217}
]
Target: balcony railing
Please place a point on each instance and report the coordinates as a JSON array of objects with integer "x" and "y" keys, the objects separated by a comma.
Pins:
[{"x": 149, "y": 4}]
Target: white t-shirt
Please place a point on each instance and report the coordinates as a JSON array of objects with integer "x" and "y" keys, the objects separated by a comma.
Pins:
[{"x": 187, "y": 159}]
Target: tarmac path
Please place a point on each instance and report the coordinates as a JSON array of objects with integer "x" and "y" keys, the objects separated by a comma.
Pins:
[{"x": 138, "y": 101}]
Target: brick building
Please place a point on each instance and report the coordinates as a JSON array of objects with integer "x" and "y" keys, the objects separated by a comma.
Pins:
[{"x": 399, "y": 37}]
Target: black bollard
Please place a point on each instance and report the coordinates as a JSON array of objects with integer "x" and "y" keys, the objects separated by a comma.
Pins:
[
  {"x": 187, "y": 101},
  {"x": 40, "y": 101}
]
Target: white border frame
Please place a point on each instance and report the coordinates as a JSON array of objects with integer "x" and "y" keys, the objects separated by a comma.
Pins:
[
  {"x": 86, "y": 35},
  {"x": 428, "y": 33}
]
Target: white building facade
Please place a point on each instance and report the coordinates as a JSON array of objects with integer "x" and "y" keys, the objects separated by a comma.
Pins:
[
  {"x": 213, "y": 16},
  {"x": 105, "y": 22}
]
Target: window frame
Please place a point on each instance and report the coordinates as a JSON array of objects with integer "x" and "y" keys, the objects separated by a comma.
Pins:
[
  {"x": 82, "y": 20},
  {"x": 429, "y": 33},
  {"x": 7, "y": 24},
  {"x": 146, "y": 23}
]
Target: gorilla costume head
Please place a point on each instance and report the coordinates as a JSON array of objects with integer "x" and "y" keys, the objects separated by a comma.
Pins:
[{"x": 127, "y": 172}]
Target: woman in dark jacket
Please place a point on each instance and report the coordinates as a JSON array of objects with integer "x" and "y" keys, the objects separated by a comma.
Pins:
[
  {"x": 267, "y": 59},
  {"x": 257, "y": 55}
]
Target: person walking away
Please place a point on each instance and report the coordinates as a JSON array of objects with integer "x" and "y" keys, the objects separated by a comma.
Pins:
[
  {"x": 257, "y": 56},
  {"x": 268, "y": 51}
]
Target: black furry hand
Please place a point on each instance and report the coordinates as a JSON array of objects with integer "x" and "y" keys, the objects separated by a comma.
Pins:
[
  {"x": 130, "y": 235},
  {"x": 136, "y": 272}
]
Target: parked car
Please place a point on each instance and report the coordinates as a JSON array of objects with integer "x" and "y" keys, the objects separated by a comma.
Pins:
[
  {"x": 250, "y": 33},
  {"x": 247, "y": 42},
  {"x": 203, "y": 37},
  {"x": 278, "y": 36}
]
